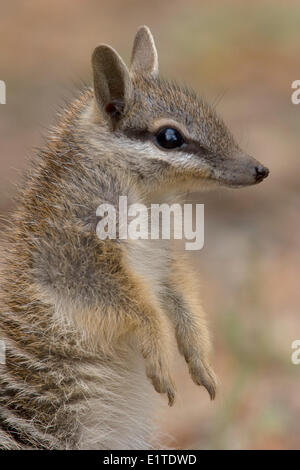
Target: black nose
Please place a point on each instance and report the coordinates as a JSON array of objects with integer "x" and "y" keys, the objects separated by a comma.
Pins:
[{"x": 261, "y": 172}]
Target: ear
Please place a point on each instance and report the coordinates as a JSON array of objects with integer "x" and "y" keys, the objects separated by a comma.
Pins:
[
  {"x": 144, "y": 58},
  {"x": 112, "y": 84}
]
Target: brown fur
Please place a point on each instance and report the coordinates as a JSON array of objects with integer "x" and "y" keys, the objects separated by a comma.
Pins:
[{"x": 78, "y": 313}]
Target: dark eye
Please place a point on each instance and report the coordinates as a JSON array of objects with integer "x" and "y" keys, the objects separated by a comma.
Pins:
[{"x": 169, "y": 138}]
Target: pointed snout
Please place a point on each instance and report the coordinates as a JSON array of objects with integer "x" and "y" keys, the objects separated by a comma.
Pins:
[
  {"x": 241, "y": 170},
  {"x": 261, "y": 172}
]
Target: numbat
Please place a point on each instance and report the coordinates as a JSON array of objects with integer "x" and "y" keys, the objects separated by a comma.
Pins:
[{"x": 86, "y": 322}]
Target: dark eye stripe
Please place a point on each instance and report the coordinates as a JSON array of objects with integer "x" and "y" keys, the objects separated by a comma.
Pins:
[{"x": 190, "y": 145}]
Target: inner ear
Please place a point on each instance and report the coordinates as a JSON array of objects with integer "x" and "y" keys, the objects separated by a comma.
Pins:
[
  {"x": 144, "y": 59},
  {"x": 112, "y": 84},
  {"x": 115, "y": 109}
]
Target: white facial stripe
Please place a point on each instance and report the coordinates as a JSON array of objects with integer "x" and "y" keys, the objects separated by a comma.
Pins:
[{"x": 150, "y": 150}]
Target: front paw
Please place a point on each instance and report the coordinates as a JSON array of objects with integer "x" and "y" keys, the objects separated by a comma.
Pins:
[
  {"x": 161, "y": 379},
  {"x": 202, "y": 374}
]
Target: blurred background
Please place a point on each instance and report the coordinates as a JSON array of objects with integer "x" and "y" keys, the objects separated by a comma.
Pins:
[{"x": 242, "y": 56}]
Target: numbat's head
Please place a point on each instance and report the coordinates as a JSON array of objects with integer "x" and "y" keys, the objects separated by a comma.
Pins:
[{"x": 160, "y": 128}]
